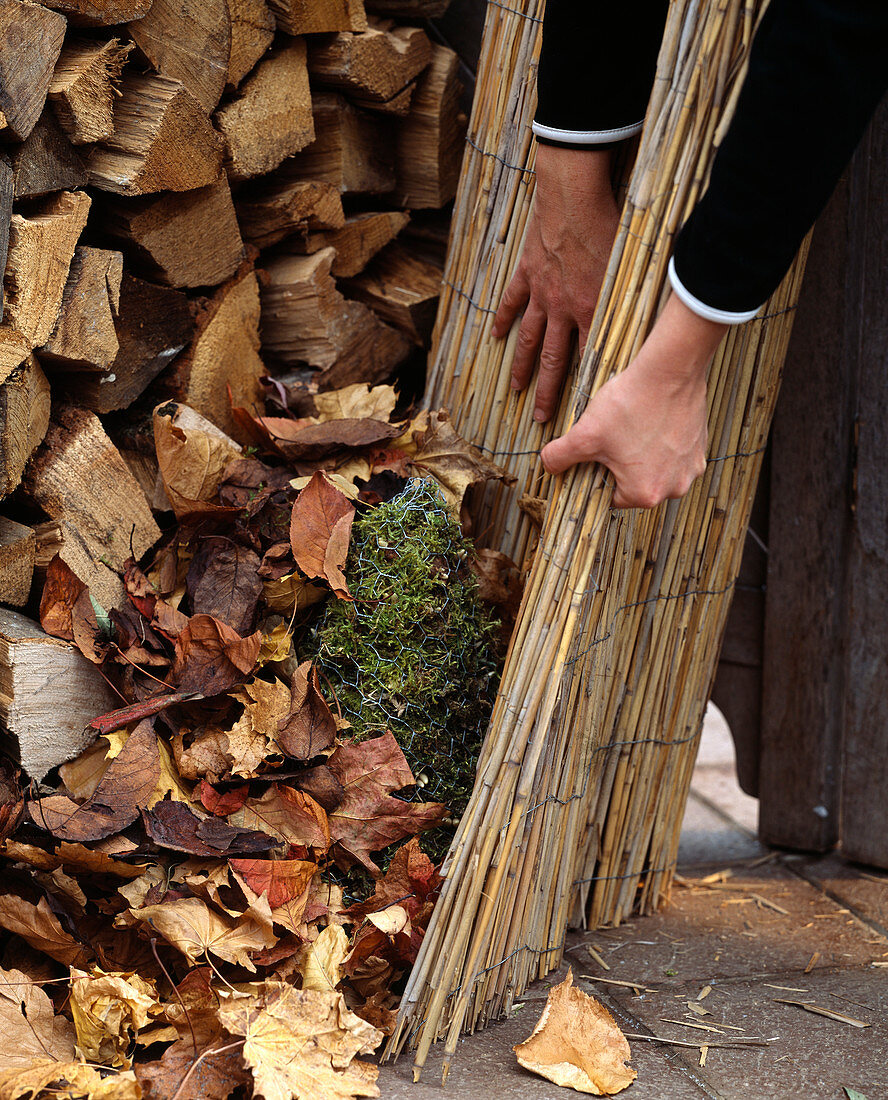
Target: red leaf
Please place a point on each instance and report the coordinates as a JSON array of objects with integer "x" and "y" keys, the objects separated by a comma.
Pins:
[
  {"x": 222, "y": 803},
  {"x": 211, "y": 658},
  {"x": 66, "y": 611},
  {"x": 172, "y": 825},
  {"x": 411, "y": 881},
  {"x": 281, "y": 880},
  {"x": 315, "y": 525}
]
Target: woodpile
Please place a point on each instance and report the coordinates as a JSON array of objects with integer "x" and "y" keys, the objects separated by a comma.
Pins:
[{"x": 196, "y": 196}]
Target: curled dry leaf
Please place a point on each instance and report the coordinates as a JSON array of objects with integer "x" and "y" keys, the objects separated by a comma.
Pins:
[
  {"x": 411, "y": 881},
  {"x": 302, "y": 1043},
  {"x": 194, "y": 929},
  {"x": 369, "y": 818},
  {"x": 126, "y": 786},
  {"x": 223, "y": 581},
  {"x": 66, "y": 611},
  {"x": 323, "y": 786},
  {"x": 577, "y": 1044},
  {"x": 192, "y": 454},
  {"x": 109, "y": 1010},
  {"x": 455, "y": 464},
  {"x": 172, "y": 825},
  {"x": 360, "y": 401},
  {"x": 211, "y": 658},
  {"x": 320, "y": 530},
  {"x": 67, "y": 1080},
  {"x": 291, "y": 816},
  {"x": 37, "y": 925},
  {"x": 31, "y": 1030},
  {"x": 309, "y": 728},
  {"x": 313, "y": 442},
  {"x": 12, "y": 802},
  {"x": 222, "y": 803}
]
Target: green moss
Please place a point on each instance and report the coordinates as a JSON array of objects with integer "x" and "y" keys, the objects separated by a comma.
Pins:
[{"x": 415, "y": 652}]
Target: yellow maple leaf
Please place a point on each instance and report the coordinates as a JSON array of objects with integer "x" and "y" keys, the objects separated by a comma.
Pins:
[
  {"x": 301, "y": 1043},
  {"x": 67, "y": 1081},
  {"x": 577, "y": 1044},
  {"x": 360, "y": 401},
  {"x": 322, "y": 959},
  {"x": 108, "y": 1010}
]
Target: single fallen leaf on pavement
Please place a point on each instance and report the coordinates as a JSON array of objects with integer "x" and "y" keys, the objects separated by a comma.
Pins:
[
  {"x": 576, "y": 1044},
  {"x": 320, "y": 529},
  {"x": 211, "y": 657},
  {"x": 309, "y": 727},
  {"x": 369, "y": 818},
  {"x": 109, "y": 1010},
  {"x": 321, "y": 960},
  {"x": 31, "y": 1030},
  {"x": 124, "y": 788},
  {"x": 302, "y": 1043}
]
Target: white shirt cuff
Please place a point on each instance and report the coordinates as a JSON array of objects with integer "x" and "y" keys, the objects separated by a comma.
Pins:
[
  {"x": 586, "y": 137},
  {"x": 708, "y": 313}
]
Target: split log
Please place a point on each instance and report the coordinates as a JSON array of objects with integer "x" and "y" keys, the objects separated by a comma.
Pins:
[
  {"x": 399, "y": 105},
  {"x": 409, "y": 9},
  {"x": 79, "y": 478},
  {"x": 30, "y": 43},
  {"x": 400, "y": 288},
  {"x": 306, "y": 320},
  {"x": 314, "y": 16},
  {"x": 84, "y": 336},
  {"x": 271, "y": 117},
  {"x": 6, "y": 197},
  {"x": 206, "y": 44},
  {"x": 154, "y": 324},
  {"x": 357, "y": 242},
  {"x": 41, "y": 248},
  {"x": 430, "y": 139},
  {"x": 54, "y": 538},
  {"x": 49, "y": 693},
  {"x": 376, "y": 65},
  {"x": 100, "y": 13},
  {"x": 46, "y": 161},
  {"x": 82, "y": 87},
  {"x": 24, "y": 417},
  {"x": 162, "y": 141},
  {"x": 223, "y": 354},
  {"x": 353, "y": 150},
  {"x": 18, "y": 546},
  {"x": 279, "y": 207},
  {"x": 188, "y": 240}
]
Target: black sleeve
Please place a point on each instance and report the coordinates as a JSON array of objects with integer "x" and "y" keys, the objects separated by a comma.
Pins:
[
  {"x": 817, "y": 71},
  {"x": 596, "y": 68}
]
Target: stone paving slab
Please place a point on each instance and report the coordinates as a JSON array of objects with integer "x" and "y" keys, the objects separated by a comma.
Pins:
[{"x": 863, "y": 889}]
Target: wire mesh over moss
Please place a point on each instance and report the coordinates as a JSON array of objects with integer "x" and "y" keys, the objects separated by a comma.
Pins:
[{"x": 415, "y": 651}]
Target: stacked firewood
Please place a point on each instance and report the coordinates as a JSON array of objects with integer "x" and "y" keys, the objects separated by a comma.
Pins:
[{"x": 195, "y": 196}]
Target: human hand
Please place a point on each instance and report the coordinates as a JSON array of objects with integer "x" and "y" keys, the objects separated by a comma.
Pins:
[
  {"x": 648, "y": 424},
  {"x": 569, "y": 237}
]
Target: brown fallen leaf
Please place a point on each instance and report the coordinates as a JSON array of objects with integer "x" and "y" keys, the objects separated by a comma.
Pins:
[
  {"x": 320, "y": 961},
  {"x": 309, "y": 728},
  {"x": 577, "y": 1044},
  {"x": 66, "y": 611},
  {"x": 313, "y": 442},
  {"x": 109, "y": 1010},
  {"x": 31, "y": 1029},
  {"x": 302, "y": 1043},
  {"x": 37, "y": 925},
  {"x": 360, "y": 401},
  {"x": 369, "y": 818},
  {"x": 67, "y": 1081},
  {"x": 322, "y": 785},
  {"x": 280, "y": 880},
  {"x": 194, "y": 929},
  {"x": 12, "y": 803},
  {"x": 222, "y": 803},
  {"x": 411, "y": 881},
  {"x": 126, "y": 786},
  {"x": 455, "y": 464},
  {"x": 223, "y": 581},
  {"x": 320, "y": 529},
  {"x": 192, "y": 454},
  {"x": 289, "y": 815},
  {"x": 172, "y": 825},
  {"x": 211, "y": 658}
]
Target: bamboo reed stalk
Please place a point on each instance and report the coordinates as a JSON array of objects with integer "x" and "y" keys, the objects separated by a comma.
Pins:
[{"x": 585, "y": 769}]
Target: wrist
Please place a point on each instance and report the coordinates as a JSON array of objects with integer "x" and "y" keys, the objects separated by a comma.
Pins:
[
  {"x": 582, "y": 171},
  {"x": 681, "y": 344}
]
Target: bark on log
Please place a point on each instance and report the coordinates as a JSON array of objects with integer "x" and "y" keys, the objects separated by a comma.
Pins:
[
  {"x": 271, "y": 118},
  {"x": 46, "y": 161},
  {"x": 31, "y": 39},
  {"x": 162, "y": 141},
  {"x": 18, "y": 546},
  {"x": 188, "y": 240},
  {"x": 49, "y": 693},
  {"x": 100, "y": 13},
  {"x": 280, "y": 207},
  {"x": 84, "y": 336},
  {"x": 353, "y": 150},
  {"x": 24, "y": 416},
  {"x": 82, "y": 87}
]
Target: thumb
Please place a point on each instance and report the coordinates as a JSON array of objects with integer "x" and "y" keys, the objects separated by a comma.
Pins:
[{"x": 566, "y": 451}]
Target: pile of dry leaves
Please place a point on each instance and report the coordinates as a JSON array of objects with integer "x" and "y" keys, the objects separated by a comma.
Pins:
[{"x": 182, "y": 902}]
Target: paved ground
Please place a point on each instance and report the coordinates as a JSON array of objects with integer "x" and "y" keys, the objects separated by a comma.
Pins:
[{"x": 772, "y": 927}]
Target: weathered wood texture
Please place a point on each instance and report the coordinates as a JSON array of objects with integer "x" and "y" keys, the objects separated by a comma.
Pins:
[
  {"x": 31, "y": 39},
  {"x": 153, "y": 325},
  {"x": 46, "y": 161},
  {"x": 162, "y": 141},
  {"x": 354, "y": 150},
  {"x": 356, "y": 242},
  {"x": 279, "y": 207},
  {"x": 54, "y": 538},
  {"x": 188, "y": 240},
  {"x": 401, "y": 289},
  {"x": 84, "y": 336},
  {"x": 823, "y": 770},
  {"x": 252, "y": 31},
  {"x": 430, "y": 138},
  {"x": 100, "y": 13},
  {"x": 49, "y": 692},
  {"x": 17, "y": 558},
  {"x": 223, "y": 355},
  {"x": 314, "y": 16},
  {"x": 271, "y": 116},
  {"x": 24, "y": 416},
  {"x": 82, "y": 87},
  {"x": 79, "y": 478},
  {"x": 376, "y": 65},
  {"x": 6, "y": 198}
]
